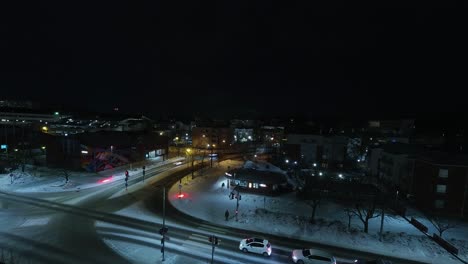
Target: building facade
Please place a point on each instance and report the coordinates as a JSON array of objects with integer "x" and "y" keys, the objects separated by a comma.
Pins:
[
  {"x": 207, "y": 137},
  {"x": 441, "y": 183},
  {"x": 328, "y": 152}
]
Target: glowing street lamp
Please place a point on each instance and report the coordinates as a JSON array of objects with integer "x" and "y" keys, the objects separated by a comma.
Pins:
[
  {"x": 189, "y": 152},
  {"x": 211, "y": 154}
]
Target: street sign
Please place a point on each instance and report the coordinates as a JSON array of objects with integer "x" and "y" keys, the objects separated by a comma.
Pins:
[{"x": 3, "y": 146}]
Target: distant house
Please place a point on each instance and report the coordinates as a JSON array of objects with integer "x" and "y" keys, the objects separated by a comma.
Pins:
[
  {"x": 102, "y": 150},
  {"x": 257, "y": 180},
  {"x": 441, "y": 183}
]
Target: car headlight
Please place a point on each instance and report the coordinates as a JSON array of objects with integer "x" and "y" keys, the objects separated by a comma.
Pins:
[{"x": 294, "y": 257}]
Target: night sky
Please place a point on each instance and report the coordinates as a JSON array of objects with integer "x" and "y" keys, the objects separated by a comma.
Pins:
[{"x": 236, "y": 59}]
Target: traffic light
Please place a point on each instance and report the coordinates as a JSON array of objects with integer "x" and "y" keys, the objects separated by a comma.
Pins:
[
  {"x": 213, "y": 240},
  {"x": 163, "y": 230}
]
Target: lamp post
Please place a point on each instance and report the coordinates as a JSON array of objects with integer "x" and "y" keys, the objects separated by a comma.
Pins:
[
  {"x": 190, "y": 154},
  {"x": 211, "y": 154},
  {"x": 238, "y": 197},
  {"x": 164, "y": 223}
]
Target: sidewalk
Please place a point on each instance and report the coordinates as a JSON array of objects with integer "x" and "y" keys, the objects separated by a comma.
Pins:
[
  {"x": 205, "y": 198},
  {"x": 43, "y": 179}
]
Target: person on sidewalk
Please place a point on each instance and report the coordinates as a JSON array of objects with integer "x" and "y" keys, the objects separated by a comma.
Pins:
[{"x": 226, "y": 214}]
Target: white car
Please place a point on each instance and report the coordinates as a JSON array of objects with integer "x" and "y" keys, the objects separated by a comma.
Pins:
[
  {"x": 256, "y": 245},
  {"x": 312, "y": 256}
]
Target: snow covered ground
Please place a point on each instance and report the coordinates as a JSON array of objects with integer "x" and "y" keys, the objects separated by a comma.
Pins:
[
  {"x": 281, "y": 215},
  {"x": 286, "y": 216}
]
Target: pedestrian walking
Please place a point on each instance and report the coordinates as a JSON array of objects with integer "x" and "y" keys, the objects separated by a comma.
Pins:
[{"x": 226, "y": 214}]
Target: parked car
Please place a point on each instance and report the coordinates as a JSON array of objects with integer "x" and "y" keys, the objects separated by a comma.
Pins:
[
  {"x": 374, "y": 261},
  {"x": 255, "y": 245},
  {"x": 312, "y": 256}
]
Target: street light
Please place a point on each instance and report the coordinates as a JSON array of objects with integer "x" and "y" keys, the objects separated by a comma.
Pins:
[
  {"x": 189, "y": 152},
  {"x": 211, "y": 154}
]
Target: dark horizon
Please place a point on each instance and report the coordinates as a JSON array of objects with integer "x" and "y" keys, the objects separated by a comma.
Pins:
[{"x": 233, "y": 60}]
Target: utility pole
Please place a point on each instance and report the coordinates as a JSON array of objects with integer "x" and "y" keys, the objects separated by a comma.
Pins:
[
  {"x": 212, "y": 250},
  {"x": 6, "y": 140},
  {"x": 211, "y": 157},
  {"x": 238, "y": 197},
  {"x": 164, "y": 222},
  {"x": 23, "y": 151},
  {"x": 192, "y": 165},
  {"x": 381, "y": 224},
  {"x": 214, "y": 241}
]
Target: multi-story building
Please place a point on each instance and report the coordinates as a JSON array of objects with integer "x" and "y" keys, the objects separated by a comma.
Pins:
[
  {"x": 393, "y": 164},
  {"x": 441, "y": 183},
  {"x": 206, "y": 137},
  {"x": 328, "y": 152}
]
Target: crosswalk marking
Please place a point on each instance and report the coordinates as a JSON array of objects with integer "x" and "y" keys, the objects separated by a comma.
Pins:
[
  {"x": 36, "y": 222},
  {"x": 212, "y": 228},
  {"x": 199, "y": 246},
  {"x": 198, "y": 237}
]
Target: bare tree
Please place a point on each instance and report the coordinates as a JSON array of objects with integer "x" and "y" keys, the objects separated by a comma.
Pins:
[
  {"x": 365, "y": 210},
  {"x": 440, "y": 224},
  {"x": 311, "y": 198}
]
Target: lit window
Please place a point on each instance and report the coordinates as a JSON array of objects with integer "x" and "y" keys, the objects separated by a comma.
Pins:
[
  {"x": 441, "y": 188},
  {"x": 439, "y": 204},
  {"x": 443, "y": 173}
]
